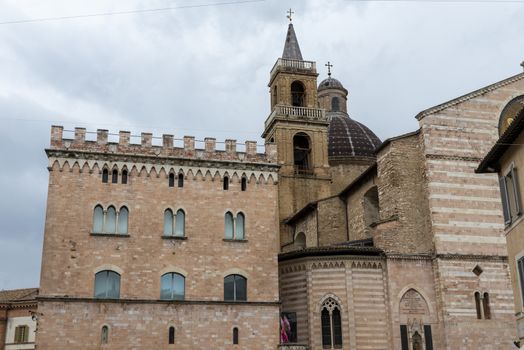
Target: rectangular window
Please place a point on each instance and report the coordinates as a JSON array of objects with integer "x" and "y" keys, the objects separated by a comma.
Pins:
[
  {"x": 509, "y": 191},
  {"x": 520, "y": 266},
  {"x": 404, "y": 337},
  {"x": 21, "y": 334},
  {"x": 429, "y": 337}
]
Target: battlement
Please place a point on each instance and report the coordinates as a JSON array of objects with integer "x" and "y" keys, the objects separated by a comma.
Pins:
[{"x": 188, "y": 146}]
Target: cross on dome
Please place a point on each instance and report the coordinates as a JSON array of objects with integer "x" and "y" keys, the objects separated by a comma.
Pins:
[
  {"x": 290, "y": 14},
  {"x": 329, "y": 65}
]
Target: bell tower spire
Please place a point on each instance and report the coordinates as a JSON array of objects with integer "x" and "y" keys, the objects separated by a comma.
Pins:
[{"x": 298, "y": 127}]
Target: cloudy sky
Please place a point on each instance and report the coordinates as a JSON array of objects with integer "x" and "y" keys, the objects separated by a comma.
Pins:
[{"x": 201, "y": 68}]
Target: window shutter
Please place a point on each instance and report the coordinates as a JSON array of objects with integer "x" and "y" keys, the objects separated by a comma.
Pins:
[
  {"x": 504, "y": 197},
  {"x": 516, "y": 190},
  {"x": 17, "y": 335},
  {"x": 428, "y": 336},
  {"x": 404, "y": 337}
]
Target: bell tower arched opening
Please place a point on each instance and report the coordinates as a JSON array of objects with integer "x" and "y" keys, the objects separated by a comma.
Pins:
[
  {"x": 298, "y": 94},
  {"x": 302, "y": 153}
]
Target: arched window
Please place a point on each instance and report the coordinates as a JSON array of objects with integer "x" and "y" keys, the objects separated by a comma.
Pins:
[
  {"x": 335, "y": 104},
  {"x": 226, "y": 183},
  {"x": 486, "y": 306},
  {"x": 171, "y": 180},
  {"x": 477, "y": 305},
  {"x": 331, "y": 324},
  {"x": 300, "y": 240},
  {"x": 298, "y": 94},
  {"x": 110, "y": 220},
  {"x": 239, "y": 227},
  {"x": 172, "y": 286},
  {"x": 235, "y": 288},
  {"x": 171, "y": 336},
  {"x": 105, "y": 176},
  {"x": 243, "y": 184},
  {"x": 228, "y": 223},
  {"x": 168, "y": 222},
  {"x": 98, "y": 219},
  {"x": 180, "y": 223},
  {"x": 114, "y": 176},
  {"x": 104, "y": 335},
  {"x": 235, "y": 335},
  {"x": 107, "y": 284},
  {"x": 301, "y": 153},
  {"x": 123, "y": 216},
  {"x": 180, "y": 180},
  {"x": 124, "y": 177}
]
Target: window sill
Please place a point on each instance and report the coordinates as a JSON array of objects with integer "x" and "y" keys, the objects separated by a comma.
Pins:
[
  {"x": 235, "y": 240},
  {"x": 110, "y": 235},
  {"x": 181, "y": 238}
]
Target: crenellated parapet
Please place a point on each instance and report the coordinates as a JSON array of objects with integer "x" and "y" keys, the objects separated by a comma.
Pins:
[
  {"x": 166, "y": 149},
  {"x": 193, "y": 162}
]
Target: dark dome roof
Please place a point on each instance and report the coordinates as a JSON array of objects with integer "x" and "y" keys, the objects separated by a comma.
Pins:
[
  {"x": 349, "y": 138},
  {"x": 330, "y": 83}
]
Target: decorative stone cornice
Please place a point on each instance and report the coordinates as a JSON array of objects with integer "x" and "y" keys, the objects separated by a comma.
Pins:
[
  {"x": 472, "y": 257},
  {"x": 447, "y": 157},
  {"x": 190, "y": 168}
]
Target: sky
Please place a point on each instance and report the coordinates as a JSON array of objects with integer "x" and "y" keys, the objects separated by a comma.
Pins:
[{"x": 201, "y": 68}]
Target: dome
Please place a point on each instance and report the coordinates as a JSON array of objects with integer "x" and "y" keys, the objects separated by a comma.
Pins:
[
  {"x": 349, "y": 138},
  {"x": 330, "y": 83}
]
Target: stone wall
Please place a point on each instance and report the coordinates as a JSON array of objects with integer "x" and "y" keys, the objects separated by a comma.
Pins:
[
  {"x": 132, "y": 325},
  {"x": 402, "y": 188},
  {"x": 332, "y": 223}
]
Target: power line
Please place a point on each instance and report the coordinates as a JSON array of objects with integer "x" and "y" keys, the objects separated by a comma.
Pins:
[{"x": 129, "y": 12}]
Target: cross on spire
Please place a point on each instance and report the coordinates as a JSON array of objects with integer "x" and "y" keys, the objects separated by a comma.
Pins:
[
  {"x": 290, "y": 14},
  {"x": 329, "y": 65}
]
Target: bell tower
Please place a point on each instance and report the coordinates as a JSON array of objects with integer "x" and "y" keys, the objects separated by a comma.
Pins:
[{"x": 299, "y": 129}]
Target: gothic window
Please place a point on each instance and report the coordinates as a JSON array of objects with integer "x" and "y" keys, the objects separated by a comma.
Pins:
[
  {"x": 171, "y": 335},
  {"x": 239, "y": 226},
  {"x": 235, "y": 335},
  {"x": 110, "y": 220},
  {"x": 335, "y": 104},
  {"x": 171, "y": 181},
  {"x": 301, "y": 153},
  {"x": 172, "y": 286},
  {"x": 234, "y": 227},
  {"x": 105, "y": 175},
  {"x": 428, "y": 337},
  {"x": 226, "y": 183},
  {"x": 331, "y": 325},
  {"x": 404, "y": 337},
  {"x": 228, "y": 222},
  {"x": 21, "y": 334},
  {"x": 107, "y": 285},
  {"x": 477, "y": 305},
  {"x": 104, "y": 335},
  {"x": 114, "y": 176},
  {"x": 298, "y": 94},
  {"x": 174, "y": 225},
  {"x": 124, "y": 177},
  {"x": 509, "y": 191},
  {"x": 98, "y": 219},
  {"x": 180, "y": 180},
  {"x": 486, "y": 306},
  {"x": 180, "y": 223},
  {"x": 243, "y": 184},
  {"x": 235, "y": 288},
  {"x": 123, "y": 216}
]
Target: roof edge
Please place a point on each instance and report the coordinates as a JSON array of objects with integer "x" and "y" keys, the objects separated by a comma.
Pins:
[
  {"x": 469, "y": 96},
  {"x": 394, "y": 138}
]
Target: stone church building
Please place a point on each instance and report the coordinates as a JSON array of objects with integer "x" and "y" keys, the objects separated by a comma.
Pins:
[{"x": 330, "y": 239}]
